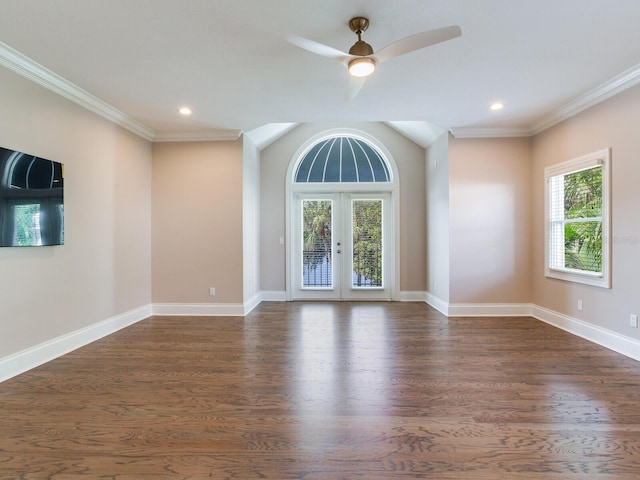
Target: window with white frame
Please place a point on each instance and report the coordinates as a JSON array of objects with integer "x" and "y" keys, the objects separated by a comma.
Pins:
[{"x": 577, "y": 246}]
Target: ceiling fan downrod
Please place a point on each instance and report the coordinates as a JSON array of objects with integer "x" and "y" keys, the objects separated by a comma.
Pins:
[{"x": 358, "y": 25}]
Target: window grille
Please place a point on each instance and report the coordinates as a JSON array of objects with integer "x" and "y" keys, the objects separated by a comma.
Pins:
[{"x": 342, "y": 159}]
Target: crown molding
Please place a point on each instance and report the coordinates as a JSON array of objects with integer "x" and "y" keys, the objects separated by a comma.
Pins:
[
  {"x": 489, "y": 132},
  {"x": 210, "y": 136},
  {"x": 617, "y": 84},
  {"x": 22, "y": 65}
]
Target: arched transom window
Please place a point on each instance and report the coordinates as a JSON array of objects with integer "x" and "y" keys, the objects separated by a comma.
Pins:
[{"x": 342, "y": 159}]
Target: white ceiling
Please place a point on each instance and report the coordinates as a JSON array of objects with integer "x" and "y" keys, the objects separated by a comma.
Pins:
[{"x": 229, "y": 61}]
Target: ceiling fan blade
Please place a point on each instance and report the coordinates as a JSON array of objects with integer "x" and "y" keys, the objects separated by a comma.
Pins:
[
  {"x": 318, "y": 48},
  {"x": 417, "y": 41},
  {"x": 354, "y": 87}
]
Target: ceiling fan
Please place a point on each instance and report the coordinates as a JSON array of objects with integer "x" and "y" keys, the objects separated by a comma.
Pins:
[{"x": 361, "y": 60}]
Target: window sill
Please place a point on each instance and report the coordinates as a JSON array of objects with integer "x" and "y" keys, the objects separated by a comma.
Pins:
[{"x": 576, "y": 276}]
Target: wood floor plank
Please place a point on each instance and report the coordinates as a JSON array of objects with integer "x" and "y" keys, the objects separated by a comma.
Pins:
[{"x": 324, "y": 391}]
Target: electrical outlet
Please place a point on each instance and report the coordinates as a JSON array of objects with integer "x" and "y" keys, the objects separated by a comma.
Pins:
[
  {"x": 579, "y": 305},
  {"x": 633, "y": 320},
  {"x": 212, "y": 291}
]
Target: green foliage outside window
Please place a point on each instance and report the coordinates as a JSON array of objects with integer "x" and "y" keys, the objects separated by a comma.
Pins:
[
  {"x": 367, "y": 238},
  {"x": 316, "y": 230},
  {"x": 583, "y": 212},
  {"x": 367, "y": 242}
]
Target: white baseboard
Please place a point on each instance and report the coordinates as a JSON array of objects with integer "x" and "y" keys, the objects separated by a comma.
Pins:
[
  {"x": 436, "y": 302},
  {"x": 274, "y": 296},
  {"x": 615, "y": 341},
  {"x": 489, "y": 310},
  {"x": 208, "y": 309},
  {"x": 199, "y": 309},
  {"x": 409, "y": 296},
  {"x": 252, "y": 303},
  {"x": 37, "y": 355},
  {"x": 607, "y": 338}
]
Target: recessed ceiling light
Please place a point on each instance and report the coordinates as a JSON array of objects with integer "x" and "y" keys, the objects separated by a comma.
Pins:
[
  {"x": 497, "y": 106},
  {"x": 185, "y": 111}
]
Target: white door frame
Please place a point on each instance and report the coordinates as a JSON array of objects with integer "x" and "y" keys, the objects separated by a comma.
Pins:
[
  {"x": 298, "y": 292},
  {"x": 392, "y": 188},
  {"x": 342, "y": 249}
]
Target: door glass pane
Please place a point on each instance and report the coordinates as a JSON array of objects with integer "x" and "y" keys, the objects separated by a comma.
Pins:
[
  {"x": 367, "y": 243},
  {"x": 317, "y": 268}
]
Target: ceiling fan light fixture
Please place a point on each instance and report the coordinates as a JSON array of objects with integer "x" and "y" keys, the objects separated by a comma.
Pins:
[{"x": 362, "y": 67}]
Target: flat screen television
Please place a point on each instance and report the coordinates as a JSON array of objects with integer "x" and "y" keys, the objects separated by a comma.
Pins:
[{"x": 31, "y": 200}]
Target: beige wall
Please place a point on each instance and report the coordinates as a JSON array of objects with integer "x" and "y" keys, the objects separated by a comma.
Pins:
[
  {"x": 409, "y": 158},
  {"x": 437, "y": 201},
  {"x": 490, "y": 220},
  {"x": 197, "y": 222},
  {"x": 251, "y": 219},
  {"x": 611, "y": 124},
  {"x": 104, "y": 268}
]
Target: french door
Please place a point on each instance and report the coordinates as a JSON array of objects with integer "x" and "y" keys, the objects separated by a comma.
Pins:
[{"x": 341, "y": 246}]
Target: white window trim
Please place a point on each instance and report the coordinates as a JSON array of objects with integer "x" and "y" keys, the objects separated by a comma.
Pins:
[{"x": 602, "y": 158}]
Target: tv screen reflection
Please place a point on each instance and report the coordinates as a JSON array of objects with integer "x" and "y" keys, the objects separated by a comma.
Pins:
[{"x": 31, "y": 200}]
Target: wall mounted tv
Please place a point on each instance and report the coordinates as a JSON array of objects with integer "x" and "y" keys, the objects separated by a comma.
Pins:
[{"x": 31, "y": 200}]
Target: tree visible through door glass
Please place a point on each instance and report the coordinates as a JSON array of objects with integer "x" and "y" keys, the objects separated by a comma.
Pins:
[
  {"x": 317, "y": 268},
  {"x": 367, "y": 243}
]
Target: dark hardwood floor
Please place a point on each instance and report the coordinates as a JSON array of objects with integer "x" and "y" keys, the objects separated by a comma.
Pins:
[{"x": 327, "y": 391}]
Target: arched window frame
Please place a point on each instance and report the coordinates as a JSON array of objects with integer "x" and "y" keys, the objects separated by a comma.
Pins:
[
  {"x": 391, "y": 186},
  {"x": 358, "y": 161}
]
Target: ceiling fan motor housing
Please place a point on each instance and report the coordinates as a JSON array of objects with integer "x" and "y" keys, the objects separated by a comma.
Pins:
[{"x": 361, "y": 49}]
